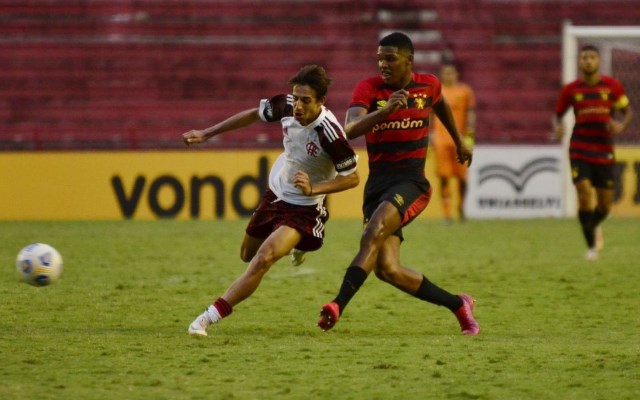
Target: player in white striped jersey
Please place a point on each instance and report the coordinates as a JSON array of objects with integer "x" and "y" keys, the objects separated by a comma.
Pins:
[{"x": 317, "y": 160}]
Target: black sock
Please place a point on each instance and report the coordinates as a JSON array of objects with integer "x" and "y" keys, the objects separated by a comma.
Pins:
[
  {"x": 598, "y": 217},
  {"x": 353, "y": 279},
  {"x": 586, "y": 221},
  {"x": 436, "y": 295}
]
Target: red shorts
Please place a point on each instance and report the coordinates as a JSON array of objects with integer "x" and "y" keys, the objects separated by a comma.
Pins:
[{"x": 271, "y": 214}]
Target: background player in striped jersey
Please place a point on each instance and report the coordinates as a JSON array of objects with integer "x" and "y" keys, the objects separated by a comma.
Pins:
[
  {"x": 595, "y": 98},
  {"x": 317, "y": 160},
  {"x": 392, "y": 111}
]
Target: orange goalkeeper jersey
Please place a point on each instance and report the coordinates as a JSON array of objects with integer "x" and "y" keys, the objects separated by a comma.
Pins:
[{"x": 461, "y": 99}]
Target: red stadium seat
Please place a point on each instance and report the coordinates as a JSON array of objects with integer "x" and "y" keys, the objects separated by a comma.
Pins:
[{"x": 114, "y": 75}]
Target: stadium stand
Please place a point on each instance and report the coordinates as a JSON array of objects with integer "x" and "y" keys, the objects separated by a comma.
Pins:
[{"x": 134, "y": 74}]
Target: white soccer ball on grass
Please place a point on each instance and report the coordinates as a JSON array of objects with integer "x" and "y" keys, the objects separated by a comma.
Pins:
[{"x": 39, "y": 264}]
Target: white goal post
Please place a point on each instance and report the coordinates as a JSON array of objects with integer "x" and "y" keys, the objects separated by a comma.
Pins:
[
  {"x": 605, "y": 38},
  {"x": 571, "y": 35}
]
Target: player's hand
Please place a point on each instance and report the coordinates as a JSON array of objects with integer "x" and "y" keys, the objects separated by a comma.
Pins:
[
  {"x": 301, "y": 181},
  {"x": 465, "y": 154},
  {"x": 193, "y": 137},
  {"x": 559, "y": 132},
  {"x": 398, "y": 100},
  {"x": 615, "y": 127}
]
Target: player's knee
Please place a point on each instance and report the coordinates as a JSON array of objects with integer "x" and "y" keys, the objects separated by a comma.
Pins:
[
  {"x": 373, "y": 235},
  {"x": 387, "y": 273},
  {"x": 262, "y": 261}
]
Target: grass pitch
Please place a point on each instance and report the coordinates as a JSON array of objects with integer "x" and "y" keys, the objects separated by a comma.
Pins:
[{"x": 553, "y": 326}]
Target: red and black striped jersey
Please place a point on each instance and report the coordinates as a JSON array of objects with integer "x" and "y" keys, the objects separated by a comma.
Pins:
[
  {"x": 593, "y": 107},
  {"x": 400, "y": 141}
]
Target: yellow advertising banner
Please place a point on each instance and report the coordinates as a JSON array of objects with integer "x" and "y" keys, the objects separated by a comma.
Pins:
[
  {"x": 627, "y": 189},
  {"x": 137, "y": 185},
  {"x": 199, "y": 184}
]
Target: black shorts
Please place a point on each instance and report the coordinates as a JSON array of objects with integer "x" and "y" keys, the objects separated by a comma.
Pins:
[
  {"x": 271, "y": 214},
  {"x": 600, "y": 175},
  {"x": 409, "y": 195}
]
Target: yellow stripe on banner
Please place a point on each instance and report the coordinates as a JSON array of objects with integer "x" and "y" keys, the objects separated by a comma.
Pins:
[
  {"x": 627, "y": 189},
  {"x": 220, "y": 184},
  {"x": 190, "y": 184}
]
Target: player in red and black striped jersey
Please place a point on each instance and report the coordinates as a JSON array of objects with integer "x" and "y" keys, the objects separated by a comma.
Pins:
[
  {"x": 392, "y": 111},
  {"x": 595, "y": 98}
]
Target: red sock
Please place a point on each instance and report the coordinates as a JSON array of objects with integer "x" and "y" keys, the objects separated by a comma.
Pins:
[{"x": 223, "y": 307}]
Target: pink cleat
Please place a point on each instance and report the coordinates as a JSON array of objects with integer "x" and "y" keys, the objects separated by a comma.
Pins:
[
  {"x": 329, "y": 315},
  {"x": 468, "y": 324}
]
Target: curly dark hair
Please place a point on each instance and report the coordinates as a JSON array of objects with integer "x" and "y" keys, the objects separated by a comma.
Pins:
[{"x": 313, "y": 76}]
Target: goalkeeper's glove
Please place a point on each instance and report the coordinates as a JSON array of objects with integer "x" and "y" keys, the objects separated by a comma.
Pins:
[{"x": 469, "y": 138}]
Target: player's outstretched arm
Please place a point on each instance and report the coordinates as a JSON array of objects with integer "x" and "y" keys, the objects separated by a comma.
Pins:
[
  {"x": 236, "y": 121},
  {"x": 443, "y": 112},
  {"x": 338, "y": 184}
]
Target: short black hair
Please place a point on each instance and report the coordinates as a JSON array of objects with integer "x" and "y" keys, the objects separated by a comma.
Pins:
[
  {"x": 313, "y": 76},
  {"x": 589, "y": 47},
  {"x": 399, "y": 40}
]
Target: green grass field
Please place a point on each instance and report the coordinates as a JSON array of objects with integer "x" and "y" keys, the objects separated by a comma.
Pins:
[{"x": 115, "y": 326}]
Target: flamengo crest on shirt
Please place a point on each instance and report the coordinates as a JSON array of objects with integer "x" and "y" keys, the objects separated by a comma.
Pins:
[{"x": 312, "y": 149}]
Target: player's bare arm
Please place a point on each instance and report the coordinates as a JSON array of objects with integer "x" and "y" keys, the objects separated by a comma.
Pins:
[
  {"x": 359, "y": 121},
  {"x": 443, "y": 112},
  {"x": 618, "y": 127},
  {"x": 470, "y": 129},
  {"x": 338, "y": 184},
  {"x": 236, "y": 121},
  {"x": 556, "y": 125}
]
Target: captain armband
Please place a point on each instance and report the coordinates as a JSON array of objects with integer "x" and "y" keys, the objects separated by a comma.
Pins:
[{"x": 622, "y": 102}]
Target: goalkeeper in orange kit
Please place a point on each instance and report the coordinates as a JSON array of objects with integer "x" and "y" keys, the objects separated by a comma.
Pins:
[{"x": 462, "y": 100}]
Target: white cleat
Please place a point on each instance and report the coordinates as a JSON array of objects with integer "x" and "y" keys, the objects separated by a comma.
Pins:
[
  {"x": 599, "y": 238},
  {"x": 592, "y": 255},
  {"x": 198, "y": 327},
  {"x": 297, "y": 257}
]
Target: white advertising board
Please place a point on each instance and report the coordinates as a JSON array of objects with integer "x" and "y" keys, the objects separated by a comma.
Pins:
[{"x": 516, "y": 182}]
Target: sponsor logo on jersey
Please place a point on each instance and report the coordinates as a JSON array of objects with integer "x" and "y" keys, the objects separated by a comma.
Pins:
[
  {"x": 594, "y": 111},
  {"x": 345, "y": 164},
  {"x": 398, "y": 199},
  {"x": 402, "y": 124}
]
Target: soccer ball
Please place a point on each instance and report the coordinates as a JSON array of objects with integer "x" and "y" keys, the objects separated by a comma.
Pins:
[{"x": 39, "y": 264}]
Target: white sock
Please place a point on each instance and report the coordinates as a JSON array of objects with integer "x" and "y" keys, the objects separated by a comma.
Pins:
[{"x": 213, "y": 314}]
